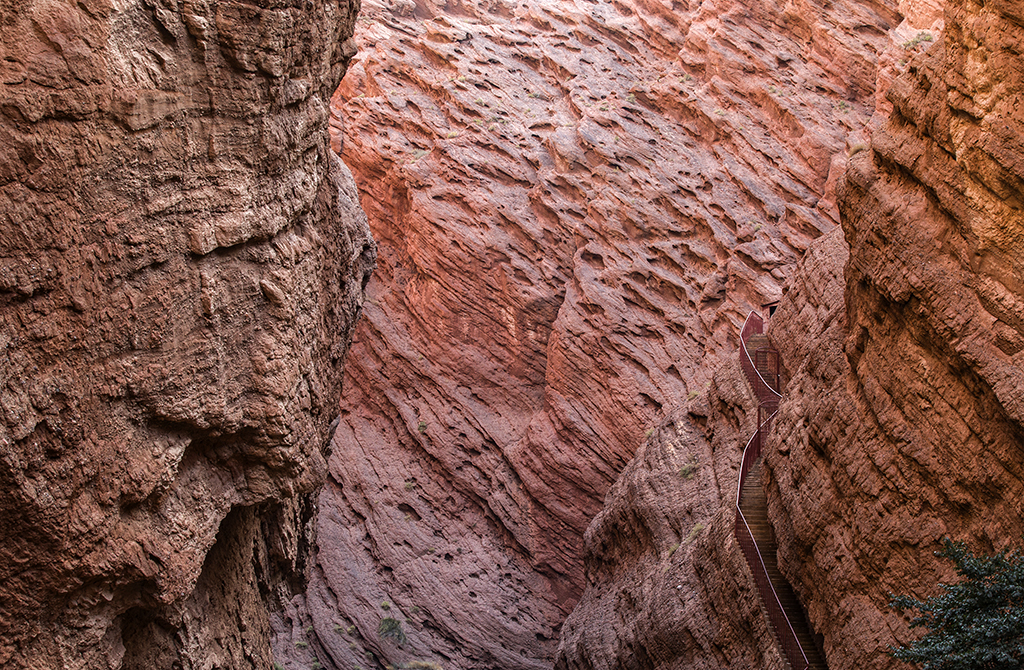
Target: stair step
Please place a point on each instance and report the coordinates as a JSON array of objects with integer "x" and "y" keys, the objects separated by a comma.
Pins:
[{"x": 753, "y": 505}]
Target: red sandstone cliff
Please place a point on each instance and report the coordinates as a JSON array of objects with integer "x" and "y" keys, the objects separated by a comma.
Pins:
[
  {"x": 904, "y": 418},
  {"x": 901, "y": 419},
  {"x": 576, "y": 206},
  {"x": 182, "y": 263},
  {"x": 678, "y": 594}
]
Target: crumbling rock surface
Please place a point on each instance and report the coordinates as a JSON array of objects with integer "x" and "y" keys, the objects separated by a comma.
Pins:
[
  {"x": 576, "y": 205},
  {"x": 182, "y": 264},
  {"x": 903, "y": 421}
]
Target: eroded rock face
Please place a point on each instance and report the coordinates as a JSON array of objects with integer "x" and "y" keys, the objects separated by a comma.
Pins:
[
  {"x": 667, "y": 585},
  {"x": 577, "y": 204},
  {"x": 183, "y": 259},
  {"x": 904, "y": 418}
]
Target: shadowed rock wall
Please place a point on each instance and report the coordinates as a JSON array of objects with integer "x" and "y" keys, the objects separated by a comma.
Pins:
[{"x": 182, "y": 263}]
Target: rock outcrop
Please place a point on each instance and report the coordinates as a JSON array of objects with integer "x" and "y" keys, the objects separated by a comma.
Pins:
[
  {"x": 576, "y": 206},
  {"x": 182, "y": 263},
  {"x": 904, "y": 418},
  {"x": 659, "y": 598}
]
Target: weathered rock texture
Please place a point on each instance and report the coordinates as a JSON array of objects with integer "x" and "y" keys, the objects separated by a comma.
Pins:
[
  {"x": 182, "y": 263},
  {"x": 904, "y": 419},
  {"x": 629, "y": 616},
  {"x": 577, "y": 204},
  {"x": 667, "y": 584}
]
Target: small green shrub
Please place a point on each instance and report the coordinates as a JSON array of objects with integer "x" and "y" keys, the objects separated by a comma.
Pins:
[
  {"x": 422, "y": 426},
  {"x": 918, "y": 39},
  {"x": 689, "y": 468},
  {"x": 385, "y": 605},
  {"x": 391, "y": 629},
  {"x": 694, "y": 532},
  {"x": 974, "y": 624},
  {"x": 309, "y": 630},
  {"x": 422, "y": 665},
  {"x": 301, "y": 644},
  {"x": 316, "y": 665}
]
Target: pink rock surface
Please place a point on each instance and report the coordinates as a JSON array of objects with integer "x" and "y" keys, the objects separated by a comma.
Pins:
[{"x": 667, "y": 585}]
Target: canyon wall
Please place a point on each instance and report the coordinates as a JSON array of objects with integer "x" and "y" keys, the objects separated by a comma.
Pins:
[
  {"x": 904, "y": 416},
  {"x": 901, "y": 339},
  {"x": 667, "y": 585},
  {"x": 658, "y": 596},
  {"x": 576, "y": 206},
  {"x": 182, "y": 263}
]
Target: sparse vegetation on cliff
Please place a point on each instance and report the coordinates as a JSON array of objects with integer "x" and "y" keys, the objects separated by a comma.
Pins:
[
  {"x": 391, "y": 629},
  {"x": 921, "y": 37},
  {"x": 975, "y": 624}
]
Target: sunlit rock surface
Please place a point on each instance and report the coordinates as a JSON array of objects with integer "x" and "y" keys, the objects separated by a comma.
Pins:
[{"x": 904, "y": 418}]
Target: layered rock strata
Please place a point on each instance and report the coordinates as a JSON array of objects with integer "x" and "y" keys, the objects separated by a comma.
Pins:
[
  {"x": 629, "y": 615},
  {"x": 577, "y": 204},
  {"x": 904, "y": 418},
  {"x": 182, "y": 264}
]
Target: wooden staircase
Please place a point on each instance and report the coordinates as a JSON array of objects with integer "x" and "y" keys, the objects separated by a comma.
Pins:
[
  {"x": 765, "y": 359},
  {"x": 754, "y": 506},
  {"x": 761, "y": 365},
  {"x": 757, "y": 341}
]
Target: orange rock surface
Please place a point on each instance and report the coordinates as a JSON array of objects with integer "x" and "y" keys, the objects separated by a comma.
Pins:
[{"x": 904, "y": 417}]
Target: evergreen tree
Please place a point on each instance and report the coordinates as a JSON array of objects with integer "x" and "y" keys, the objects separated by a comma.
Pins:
[{"x": 975, "y": 624}]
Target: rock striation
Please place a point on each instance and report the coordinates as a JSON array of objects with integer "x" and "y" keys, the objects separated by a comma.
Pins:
[
  {"x": 576, "y": 206},
  {"x": 181, "y": 263},
  {"x": 903, "y": 418}
]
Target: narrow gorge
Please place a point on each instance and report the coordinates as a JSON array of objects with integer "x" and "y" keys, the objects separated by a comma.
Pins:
[{"x": 526, "y": 234}]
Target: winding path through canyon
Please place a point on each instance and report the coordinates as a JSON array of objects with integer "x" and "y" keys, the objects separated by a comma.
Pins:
[{"x": 753, "y": 526}]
